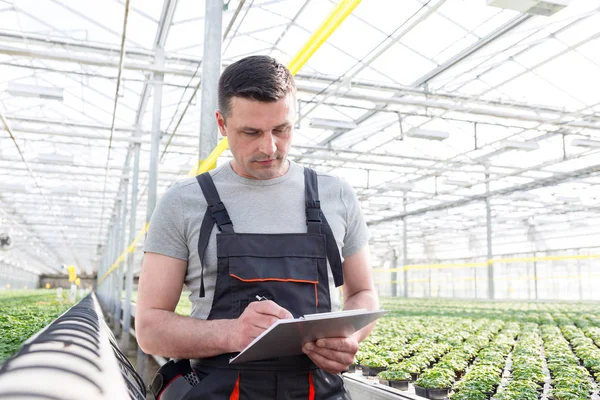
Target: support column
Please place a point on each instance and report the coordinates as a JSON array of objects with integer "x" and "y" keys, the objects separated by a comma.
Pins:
[
  {"x": 211, "y": 70},
  {"x": 130, "y": 255},
  {"x": 535, "y": 276},
  {"x": 488, "y": 212},
  {"x": 109, "y": 283},
  {"x": 394, "y": 276},
  {"x": 528, "y": 275},
  {"x": 156, "y": 136},
  {"x": 142, "y": 358},
  {"x": 100, "y": 272},
  {"x": 115, "y": 275},
  {"x": 121, "y": 248},
  {"x": 579, "y": 276},
  {"x": 405, "y": 247}
]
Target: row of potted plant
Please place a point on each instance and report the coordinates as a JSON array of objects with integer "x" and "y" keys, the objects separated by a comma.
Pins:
[
  {"x": 521, "y": 311},
  {"x": 401, "y": 374},
  {"x": 590, "y": 329},
  {"x": 593, "y": 319},
  {"x": 484, "y": 375},
  {"x": 584, "y": 348},
  {"x": 389, "y": 342},
  {"x": 422, "y": 360},
  {"x": 385, "y": 349},
  {"x": 380, "y": 352},
  {"x": 527, "y": 363},
  {"x": 400, "y": 304},
  {"x": 435, "y": 340},
  {"x": 435, "y": 383},
  {"x": 459, "y": 357},
  {"x": 570, "y": 381},
  {"x": 593, "y": 332},
  {"x": 527, "y": 369}
]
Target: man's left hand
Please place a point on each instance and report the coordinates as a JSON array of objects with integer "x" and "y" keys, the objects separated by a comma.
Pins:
[{"x": 332, "y": 355}]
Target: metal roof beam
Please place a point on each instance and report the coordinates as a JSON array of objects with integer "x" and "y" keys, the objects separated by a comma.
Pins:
[
  {"x": 481, "y": 43},
  {"x": 384, "y": 101},
  {"x": 66, "y": 168},
  {"x": 553, "y": 180}
]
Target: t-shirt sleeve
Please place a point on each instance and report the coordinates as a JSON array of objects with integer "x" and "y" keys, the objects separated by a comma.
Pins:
[
  {"x": 166, "y": 234},
  {"x": 357, "y": 233}
]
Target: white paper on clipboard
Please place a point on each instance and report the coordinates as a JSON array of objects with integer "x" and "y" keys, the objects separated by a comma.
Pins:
[{"x": 287, "y": 336}]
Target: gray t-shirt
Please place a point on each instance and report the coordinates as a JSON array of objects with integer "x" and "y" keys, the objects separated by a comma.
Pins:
[{"x": 254, "y": 206}]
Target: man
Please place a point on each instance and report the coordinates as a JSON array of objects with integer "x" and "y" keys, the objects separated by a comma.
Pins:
[{"x": 280, "y": 229}]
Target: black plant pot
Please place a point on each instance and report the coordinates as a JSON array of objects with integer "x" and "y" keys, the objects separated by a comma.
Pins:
[
  {"x": 365, "y": 370},
  {"x": 419, "y": 391},
  {"x": 384, "y": 382},
  {"x": 437, "y": 394},
  {"x": 352, "y": 368},
  {"x": 414, "y": 376},
  {"x": 373, "y": 371},
  {"x": 400, "y": 385}
]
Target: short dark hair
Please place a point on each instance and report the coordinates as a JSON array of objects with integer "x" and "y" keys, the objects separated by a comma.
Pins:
[{"x": 260, "y": 78}]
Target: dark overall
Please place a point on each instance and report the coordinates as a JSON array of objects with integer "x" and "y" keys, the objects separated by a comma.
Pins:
[{"x": 291, "y": 270}]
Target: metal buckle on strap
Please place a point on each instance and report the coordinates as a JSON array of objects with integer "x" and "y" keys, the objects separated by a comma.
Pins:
[
  {"x": 313, "y": 215},
  {"x": 220, "y": 214}
]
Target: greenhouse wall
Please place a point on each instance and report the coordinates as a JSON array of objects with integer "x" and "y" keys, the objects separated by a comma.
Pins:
[
  {"x": 544, "y": 275},
  {"x": 16, "y": 278}
]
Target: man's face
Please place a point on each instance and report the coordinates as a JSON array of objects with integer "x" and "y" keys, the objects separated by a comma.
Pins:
[{"x": 260, "y": 136}]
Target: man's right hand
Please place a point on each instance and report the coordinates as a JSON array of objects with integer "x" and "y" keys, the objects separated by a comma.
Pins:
[{"x": 258, "y": 316}]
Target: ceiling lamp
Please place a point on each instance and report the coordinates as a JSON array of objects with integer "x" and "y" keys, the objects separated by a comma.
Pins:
[
  {"x": 594, "y": 144},
  {"x": 508, "y": 145},
  {"x": 12, "y": 187},
  {"x": 404, "y": 186},
  {"x": 456, "y": 182},
  {"x": 427, "y": 134},
  {"x": 323, "y": 123},
  {"x": 64, "y": 190},
  {"x": 514, "y": 145},
  {"x": 56, "y": 158},
  {"x": 536, "y": 7},
  {"x": 42, "y": 92}
]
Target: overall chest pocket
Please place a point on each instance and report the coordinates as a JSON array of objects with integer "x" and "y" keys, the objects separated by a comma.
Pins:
[
  {"x": 286, "y": 268},
  {"x": 289, "y": 281}
]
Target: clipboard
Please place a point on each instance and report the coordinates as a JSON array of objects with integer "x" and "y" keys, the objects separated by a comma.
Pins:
[{"x": 287, "y": 336}]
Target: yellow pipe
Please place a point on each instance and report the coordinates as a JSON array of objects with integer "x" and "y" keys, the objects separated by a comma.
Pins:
[
  {"x": 546, "y": 258},
  {"x": 130, "y": 249},
  {"x": 492, "y": 261},
  {"x": 211, "y": 160},
  {"x": 508, "y": 278},
  {"x": 331, "y": 23}
]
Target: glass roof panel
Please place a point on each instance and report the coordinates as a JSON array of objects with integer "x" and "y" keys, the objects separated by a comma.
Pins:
[
  {"x": 404, "y": 65},
  {"x": 515, "y": 87}
]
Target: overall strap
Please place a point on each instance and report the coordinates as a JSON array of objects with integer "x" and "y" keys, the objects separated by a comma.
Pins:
[
  {"x": 215, "y": 213},
  {"x": 316, "y": 222}
]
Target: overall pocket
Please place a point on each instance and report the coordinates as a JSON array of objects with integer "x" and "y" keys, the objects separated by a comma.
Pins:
[{"x": 289, "y": 281}]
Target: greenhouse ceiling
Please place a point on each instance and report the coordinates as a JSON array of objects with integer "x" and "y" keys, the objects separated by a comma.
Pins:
[{"x": 423, "y": 106}]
